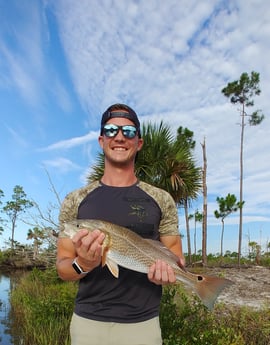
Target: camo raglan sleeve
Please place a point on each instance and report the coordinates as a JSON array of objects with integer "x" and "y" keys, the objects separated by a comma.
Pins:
[
  {"x": 169, "y": 220},
  {"x": 169, "y": 215},
  {"x": 68, "y": 211},
  {"x": 70, "y": 205}
]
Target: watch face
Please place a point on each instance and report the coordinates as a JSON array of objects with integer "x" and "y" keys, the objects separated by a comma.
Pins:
[{"x": 76, "y": 267}]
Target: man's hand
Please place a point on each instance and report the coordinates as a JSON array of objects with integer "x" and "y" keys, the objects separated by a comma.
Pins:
[
  {"x": 161, "y": 273},
  {"x": 88, "y": 246}
]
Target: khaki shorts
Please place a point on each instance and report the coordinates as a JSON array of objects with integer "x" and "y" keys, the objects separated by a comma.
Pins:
[{"x": 89, "y": 332}]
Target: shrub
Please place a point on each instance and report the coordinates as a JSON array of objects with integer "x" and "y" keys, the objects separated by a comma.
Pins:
[
  {"x": 185, "y": 321},
  {"x": 42, "y": 306}
]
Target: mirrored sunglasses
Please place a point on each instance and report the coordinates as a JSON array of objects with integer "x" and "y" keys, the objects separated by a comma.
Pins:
[{"x": 111, "y": 130}]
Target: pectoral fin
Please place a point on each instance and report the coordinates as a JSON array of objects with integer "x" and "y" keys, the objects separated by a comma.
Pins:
[{"x": 112, "y": 266}]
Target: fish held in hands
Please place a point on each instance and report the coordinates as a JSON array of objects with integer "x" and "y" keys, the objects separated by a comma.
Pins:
[{"x": 123, "y": 247}]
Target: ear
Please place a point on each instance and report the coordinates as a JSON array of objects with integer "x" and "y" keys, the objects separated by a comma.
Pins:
[
  {"x": 101, "y": 141},
  {"x": 140, "y": 144}
]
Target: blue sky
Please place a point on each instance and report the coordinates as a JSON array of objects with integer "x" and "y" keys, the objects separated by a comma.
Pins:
[{"x": 63, "y": 62}]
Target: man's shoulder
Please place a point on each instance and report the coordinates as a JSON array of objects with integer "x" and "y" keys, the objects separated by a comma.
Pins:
[
  {"x": 69, "y": 207},
  {"x": 147, "y": 187},
  {"x": 83, "y": 191},
  {"x": 161, "y": 196}
]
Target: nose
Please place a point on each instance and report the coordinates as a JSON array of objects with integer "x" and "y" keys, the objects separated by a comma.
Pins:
[{"x": 119, "y": 136}]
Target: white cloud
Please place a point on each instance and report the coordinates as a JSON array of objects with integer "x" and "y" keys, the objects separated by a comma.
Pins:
[
  {"x": 73, "y": 142},
  {"x": 62, "y": 165}
]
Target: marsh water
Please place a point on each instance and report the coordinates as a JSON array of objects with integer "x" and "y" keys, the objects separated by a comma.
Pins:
[{"x": 7, "y": 283}]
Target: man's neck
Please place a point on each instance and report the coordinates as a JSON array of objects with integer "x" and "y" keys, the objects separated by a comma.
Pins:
[{"x": 119, "y": 177}]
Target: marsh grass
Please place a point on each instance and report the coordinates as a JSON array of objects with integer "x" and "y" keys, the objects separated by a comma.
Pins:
[{"x": 42, "y": 306}]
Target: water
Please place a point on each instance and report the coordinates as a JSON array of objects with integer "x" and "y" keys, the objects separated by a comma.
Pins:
[{"x": 5, "y": 285}]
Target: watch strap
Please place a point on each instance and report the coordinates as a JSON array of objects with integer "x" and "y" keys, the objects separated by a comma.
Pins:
[{"x": 78, "y": 268}]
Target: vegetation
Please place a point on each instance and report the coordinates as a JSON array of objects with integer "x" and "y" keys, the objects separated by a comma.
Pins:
[
  {"x": 184, "y": 322},
  {"x": 241, "y": 92},
  {"x": 42, "y": 306}
]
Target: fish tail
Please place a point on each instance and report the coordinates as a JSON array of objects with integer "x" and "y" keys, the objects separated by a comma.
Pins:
[{"x": 208, "y": 288}]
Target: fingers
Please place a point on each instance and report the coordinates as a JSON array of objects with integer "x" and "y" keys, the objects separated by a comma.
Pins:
[
  {"x": 88, "y": 246},
  {"x": 161, "y": 273}
]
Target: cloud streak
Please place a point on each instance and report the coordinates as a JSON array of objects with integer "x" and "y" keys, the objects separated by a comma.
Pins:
[{"x": 73, "y": 142}]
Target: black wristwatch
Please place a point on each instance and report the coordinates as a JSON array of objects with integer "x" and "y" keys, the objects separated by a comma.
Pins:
[{"x": 77, "y": 268}]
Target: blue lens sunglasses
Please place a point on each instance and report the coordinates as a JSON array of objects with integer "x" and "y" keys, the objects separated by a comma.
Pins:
[{"x": 110, "y": 130}]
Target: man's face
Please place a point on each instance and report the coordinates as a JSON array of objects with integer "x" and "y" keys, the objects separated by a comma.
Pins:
[{"x": 119, "y": 149}]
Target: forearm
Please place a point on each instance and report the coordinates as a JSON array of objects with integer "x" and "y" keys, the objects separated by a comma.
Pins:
[
  {"x": 174, "y": 243},
  {"x": 67, "y": 272}
]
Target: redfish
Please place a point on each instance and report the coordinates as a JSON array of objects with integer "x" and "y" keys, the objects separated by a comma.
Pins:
[{"x": 125, "y": 248}]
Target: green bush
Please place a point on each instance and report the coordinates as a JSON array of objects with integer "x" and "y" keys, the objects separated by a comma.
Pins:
[
  {"x": 42, "y": 306},
  {"x": 185, "y": 321}
]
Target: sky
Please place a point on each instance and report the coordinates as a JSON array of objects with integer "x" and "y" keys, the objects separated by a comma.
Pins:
[{"x": 63, "y": 62}]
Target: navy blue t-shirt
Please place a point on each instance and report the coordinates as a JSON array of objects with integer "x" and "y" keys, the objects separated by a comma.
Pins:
[
  {"x": 147, "y": 210},
  {"x": 131, "y": 297}
]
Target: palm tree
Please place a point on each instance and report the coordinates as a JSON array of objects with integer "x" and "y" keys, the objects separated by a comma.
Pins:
[{"x": 166, "y": 163}]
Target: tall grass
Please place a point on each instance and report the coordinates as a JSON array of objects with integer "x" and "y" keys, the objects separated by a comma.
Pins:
[{"x": 42, "y": 306}]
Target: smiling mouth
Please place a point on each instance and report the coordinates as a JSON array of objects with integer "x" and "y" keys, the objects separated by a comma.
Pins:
[{"x": 119, "y": 149}]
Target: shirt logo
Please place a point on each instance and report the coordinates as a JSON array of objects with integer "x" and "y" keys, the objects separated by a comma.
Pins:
[{"x": 138, "y": 210}]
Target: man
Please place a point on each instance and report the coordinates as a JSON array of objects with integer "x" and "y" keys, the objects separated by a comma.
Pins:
[{"x": 122, "y": 310}]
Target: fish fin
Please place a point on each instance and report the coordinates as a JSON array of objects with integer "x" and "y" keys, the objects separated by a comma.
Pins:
[
  {"x": 208, "y": 288},
  {"x": 104, "y": 253},
  {"x": 113, "y": 267}
]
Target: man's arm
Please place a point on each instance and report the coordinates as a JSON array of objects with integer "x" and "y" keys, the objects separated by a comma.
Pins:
[
  {"x": 174, "y": 243},
  {"x": 160, "y": 272}
]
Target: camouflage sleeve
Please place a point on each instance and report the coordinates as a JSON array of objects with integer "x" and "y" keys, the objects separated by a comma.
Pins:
[
  {"x": 169, "y": 217},
  {"x": 70, "y": 205},
  {"x": 169, "y": 221},
  {"x": 68, "y": 211}
]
